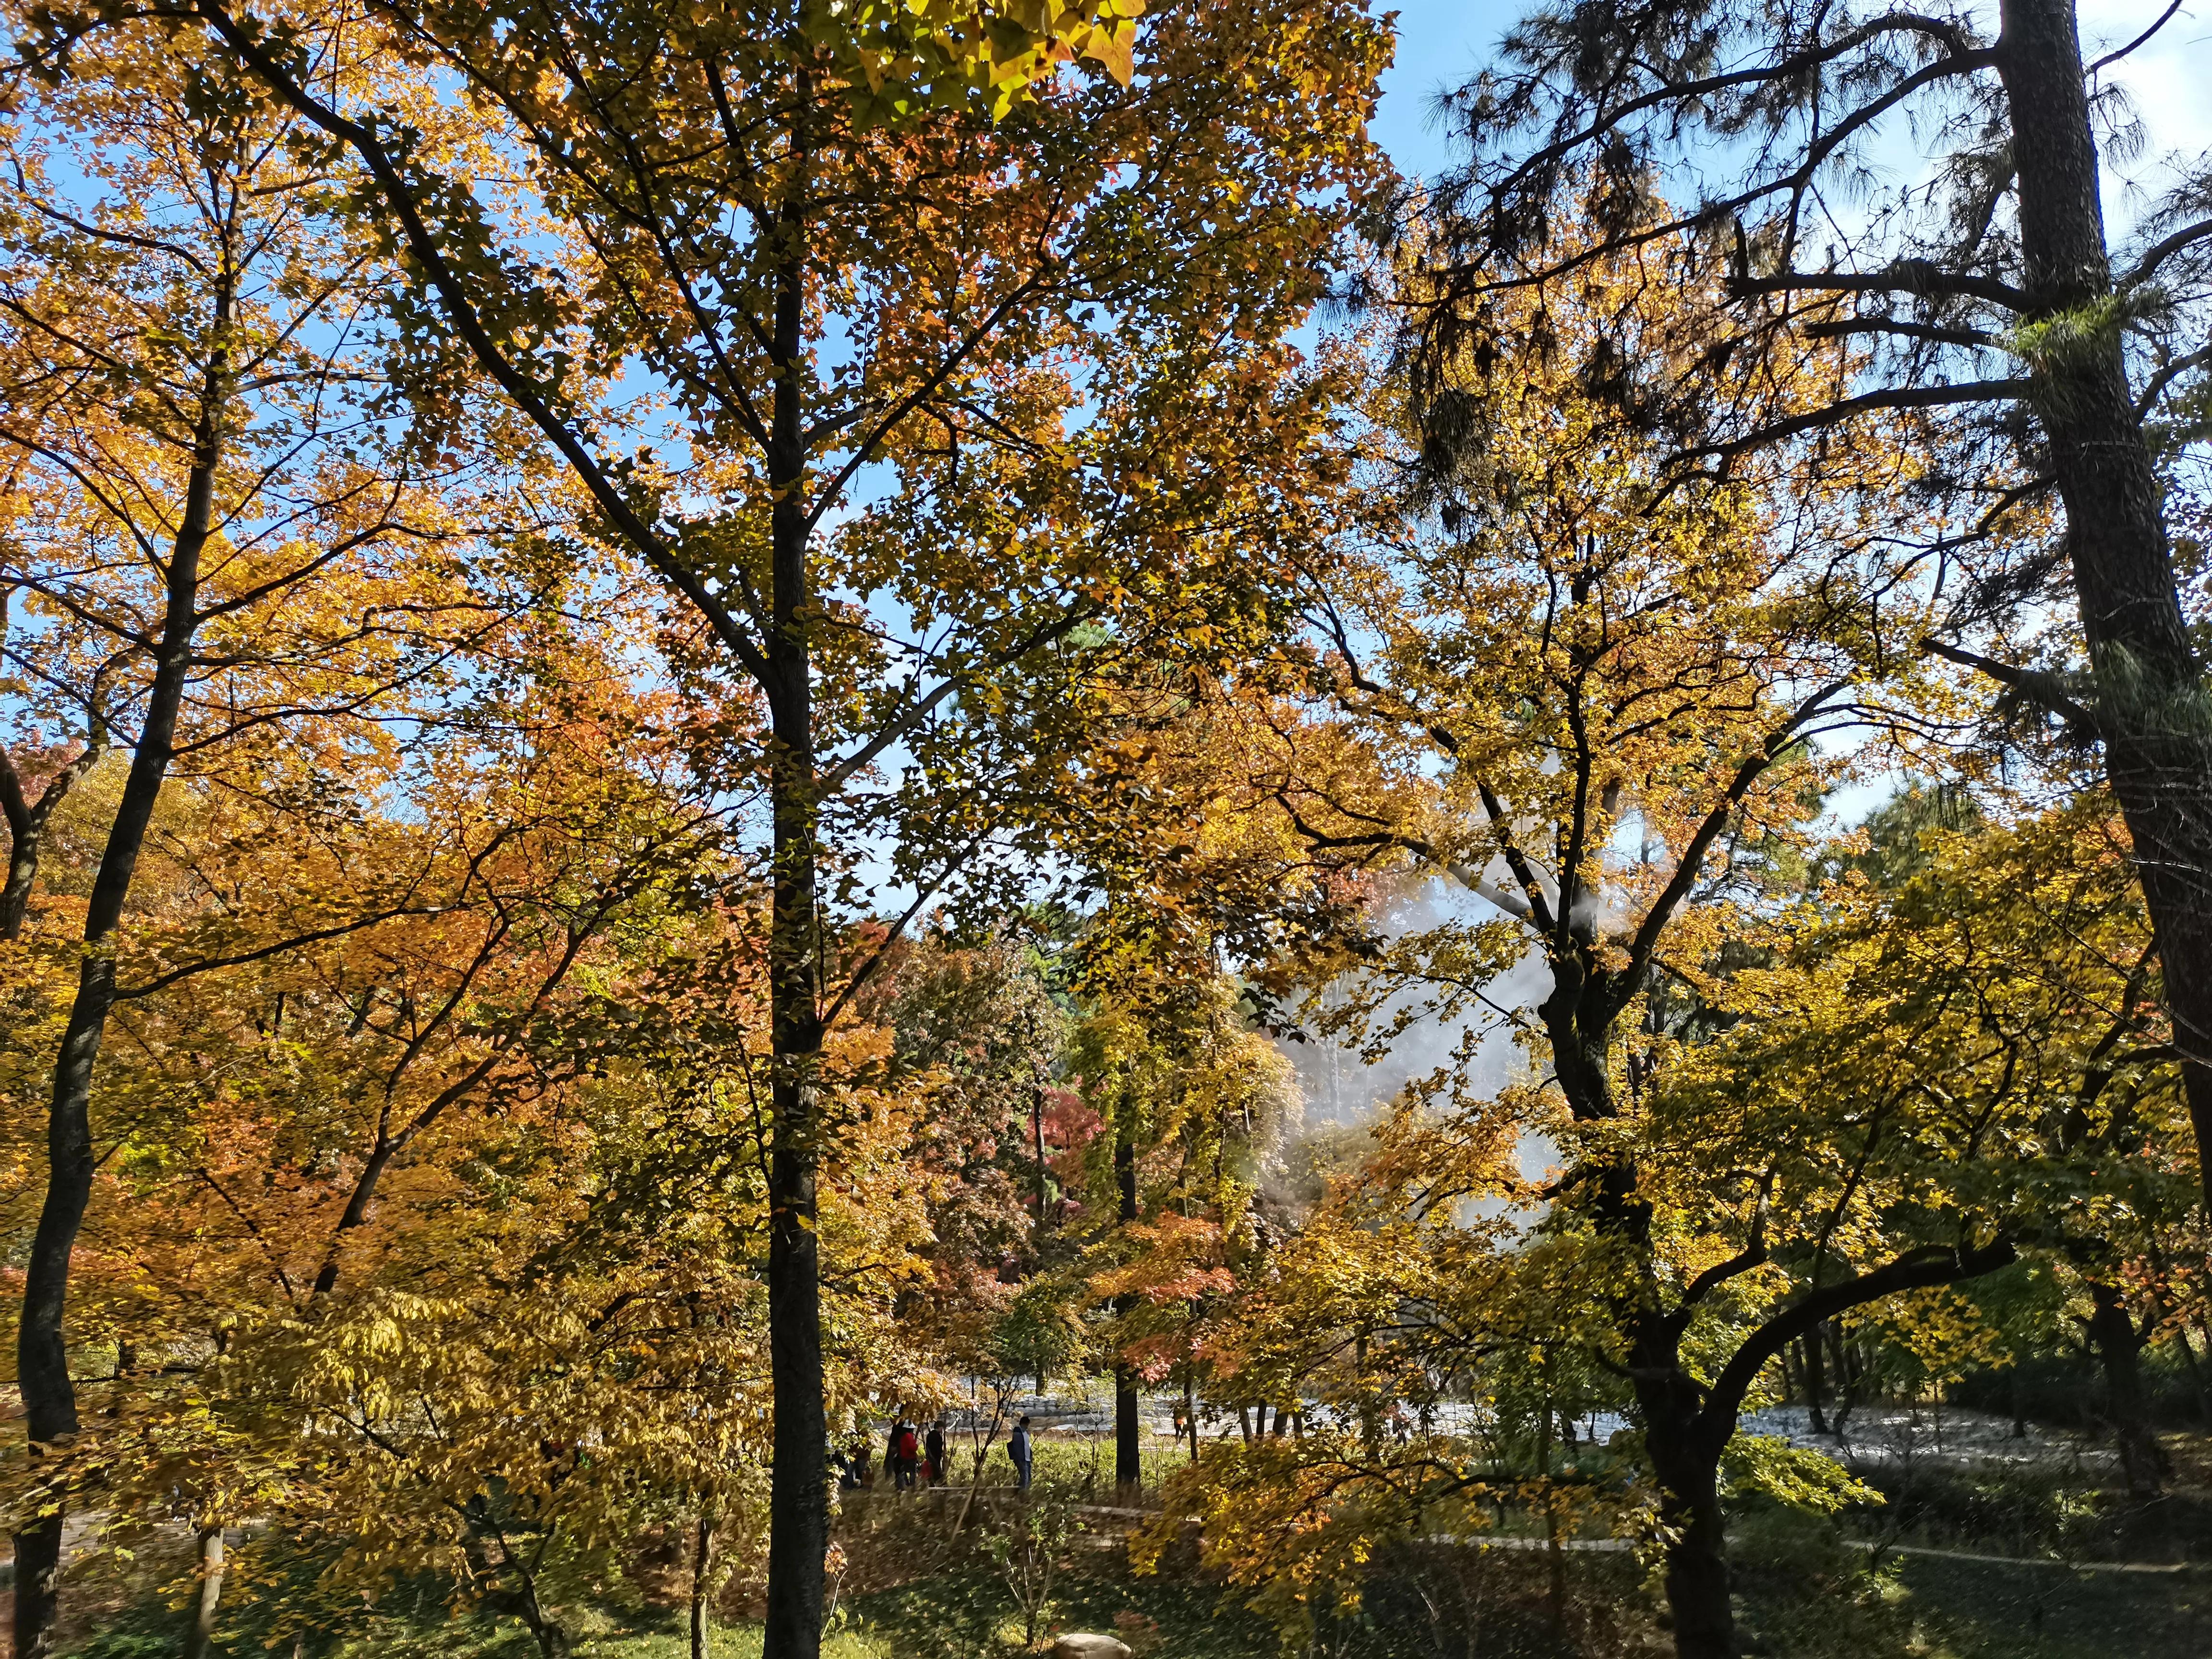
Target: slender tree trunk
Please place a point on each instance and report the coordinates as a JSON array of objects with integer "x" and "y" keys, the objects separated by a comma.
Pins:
[
  {"x": 1128, "y": 1461},
  {"x": 702, "y": 1560},
  {"x": 26, "y": 819},
  {"x": 1846, "y": 1378},
  {"x": 1043, "y": 1177},
  {"x": 1682, "y": 1439},
  {"x": 2196, "y": 1374},
  {"x": 356, "y": 1214},
  {"x": 1555, "y": 1559},
  {"x": 1815, "y": 1381},
  {"x": 798, "y": 1499},
  {"x": 2150, "y": 700},
  {"x": 41, "y": 1347},
  {"x": 2119, "y": 1350},
  {"x": 199, "y": 1641}
]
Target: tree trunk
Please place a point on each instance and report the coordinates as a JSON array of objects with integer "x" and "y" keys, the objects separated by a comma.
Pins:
[
  {"x": 2150, "y": 702},
  {"x": 1846, "y": 1378},
  {"x": 1128, "y": 1462},
  {"x": 26, "y": 819},
  {"x": 1555, "y": 1560},
  {"x": 1684, "y": 1442},
  {"x": 799, "y": 1498},
  {"x": 199, "y": 1641},
  {"x": 1685, "y": 1454},
  {"x": 703, "y": 1549},
  {"x": 1698, "y": 1596},
  {"x": 41, "y": 1348},
  {"x": 1815, "y": 1381},
  {"x": 2119, "y": 1350},
  {"x": 1044, "y": 1179},
  {"x": 2196, "y": 1374}
]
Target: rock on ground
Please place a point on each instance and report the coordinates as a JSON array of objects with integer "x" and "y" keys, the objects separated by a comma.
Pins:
[{"x": 1083, "y": 1644}]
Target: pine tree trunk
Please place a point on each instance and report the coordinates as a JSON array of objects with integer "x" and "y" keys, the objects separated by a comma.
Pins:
[{"x": 2150, "y": 697}]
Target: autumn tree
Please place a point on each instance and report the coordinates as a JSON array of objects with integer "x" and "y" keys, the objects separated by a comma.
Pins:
[
  {"x": 1901, "y": 1087},
  {"x": 1596, "y": 706},
  {"x": 1985, "y": 287},
  {"x": 1082, "y": 302},
  {"x": 1193, "y": 1103},
  {"x": 418, "y": 1084},
  {"x": 977, "y": 1031},
  {"x": 211, "y": 535}
]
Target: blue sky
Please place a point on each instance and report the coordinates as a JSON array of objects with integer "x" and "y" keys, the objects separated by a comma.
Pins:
[
  {"x": 1439, "y": 46},
  {"x": 2169, "y": 81}
]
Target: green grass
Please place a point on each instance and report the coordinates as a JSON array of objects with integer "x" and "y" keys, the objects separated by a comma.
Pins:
[
  {"x": 967, "y": 1612},
  {"x": 1074, "y": 1463},
  {"x": 741, "y": 1642}
]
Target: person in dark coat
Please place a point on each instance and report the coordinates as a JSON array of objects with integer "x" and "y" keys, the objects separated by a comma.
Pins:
[
  {"x": 1018, "y": 1447},
  {"x": 932, "y": 1448},
  {"x": 908, "y": 1455}
]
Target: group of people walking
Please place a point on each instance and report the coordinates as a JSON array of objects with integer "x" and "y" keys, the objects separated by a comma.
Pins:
[{"x": 916, "y": 1459}]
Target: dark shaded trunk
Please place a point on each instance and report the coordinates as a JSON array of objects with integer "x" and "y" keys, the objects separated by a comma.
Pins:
[
  {"x": 1684, "y": 1439},
  {"x": 1683, "y": 1430},
  {"x": 1815, "y": 1382},
  {"x": 799, "y": 1496},
  {"x": 27, "y": 818},
  {"x": 1698, "y": 1593},
  {"x": 2196, "y": 1374},
  {"x": 199, "y": 1640},
  {"x": 1839, "y": 1351},
  {"x": 1684, "y": 1433},
  {"x": 2150, "y": 703},
  {"x": 356, "y": 1214},
  {"x": 2119, "y": 1344},
  {"x": 1128, "y": 1462},
  {"x": 552, "y": 1640},
  {"x": 41, "y": 1347}
]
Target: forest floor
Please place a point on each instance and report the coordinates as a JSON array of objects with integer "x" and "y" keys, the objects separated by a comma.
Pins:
[
  {"x": 1919, "y": 1609},
  {"x": 1976, "y": 1556}
]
